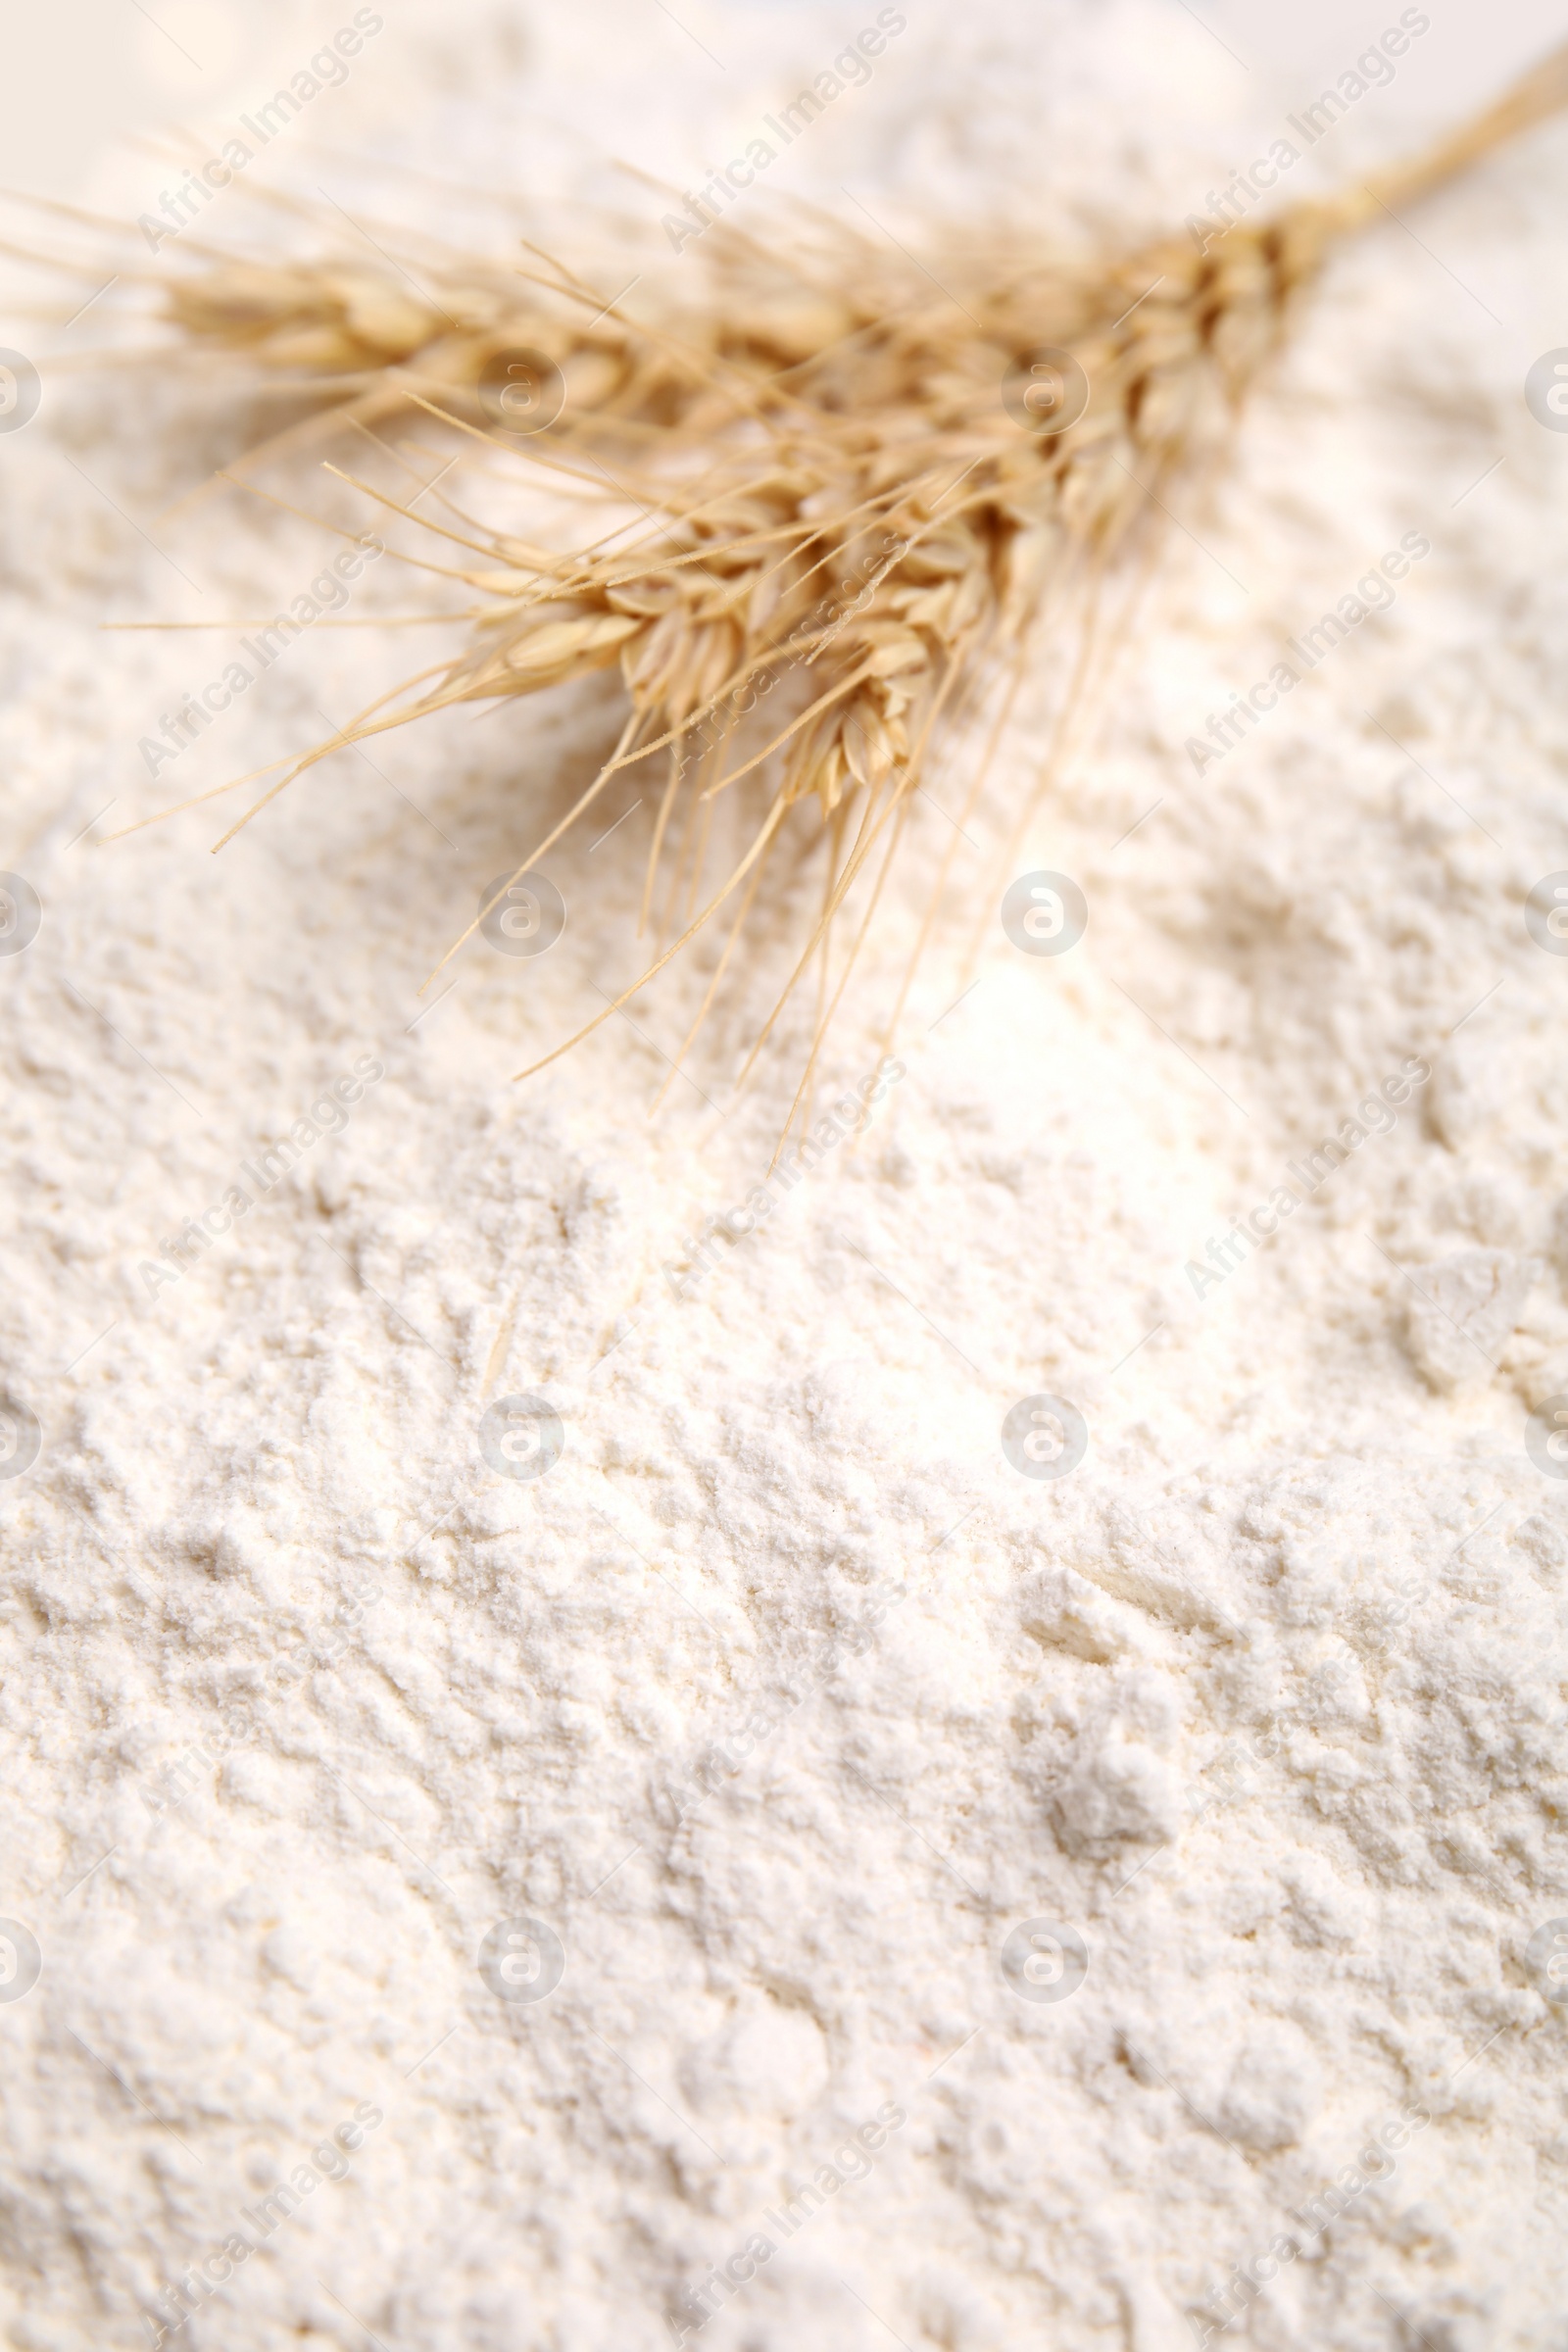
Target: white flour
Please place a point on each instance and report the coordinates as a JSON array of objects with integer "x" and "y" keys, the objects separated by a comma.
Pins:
[{"x": 782, "y": 1709}]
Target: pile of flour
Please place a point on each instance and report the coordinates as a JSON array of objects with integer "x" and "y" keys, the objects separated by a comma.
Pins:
[{"x": 784, "y": 1877}]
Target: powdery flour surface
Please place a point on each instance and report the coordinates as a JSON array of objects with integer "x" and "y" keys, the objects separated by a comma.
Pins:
[{"x": 783, "y": 1700}]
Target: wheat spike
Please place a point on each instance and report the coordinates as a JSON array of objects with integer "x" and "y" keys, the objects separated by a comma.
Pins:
[{"x": 830, "y": 494}]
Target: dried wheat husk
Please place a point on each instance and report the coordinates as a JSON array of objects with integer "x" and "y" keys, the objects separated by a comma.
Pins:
[{"x": 834, "y": 490}]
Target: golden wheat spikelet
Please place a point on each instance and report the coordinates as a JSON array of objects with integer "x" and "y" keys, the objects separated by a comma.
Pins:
[{"x": 848, "y": 485}]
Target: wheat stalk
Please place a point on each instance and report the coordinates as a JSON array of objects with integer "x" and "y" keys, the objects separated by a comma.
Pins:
[{"x": 831, "y": 492}]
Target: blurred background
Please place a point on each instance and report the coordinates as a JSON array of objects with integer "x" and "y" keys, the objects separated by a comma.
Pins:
[{"x": 85, "y": 76}]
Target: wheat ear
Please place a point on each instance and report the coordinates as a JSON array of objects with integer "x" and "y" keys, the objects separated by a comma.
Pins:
[{"x": 828, "y": 485}]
